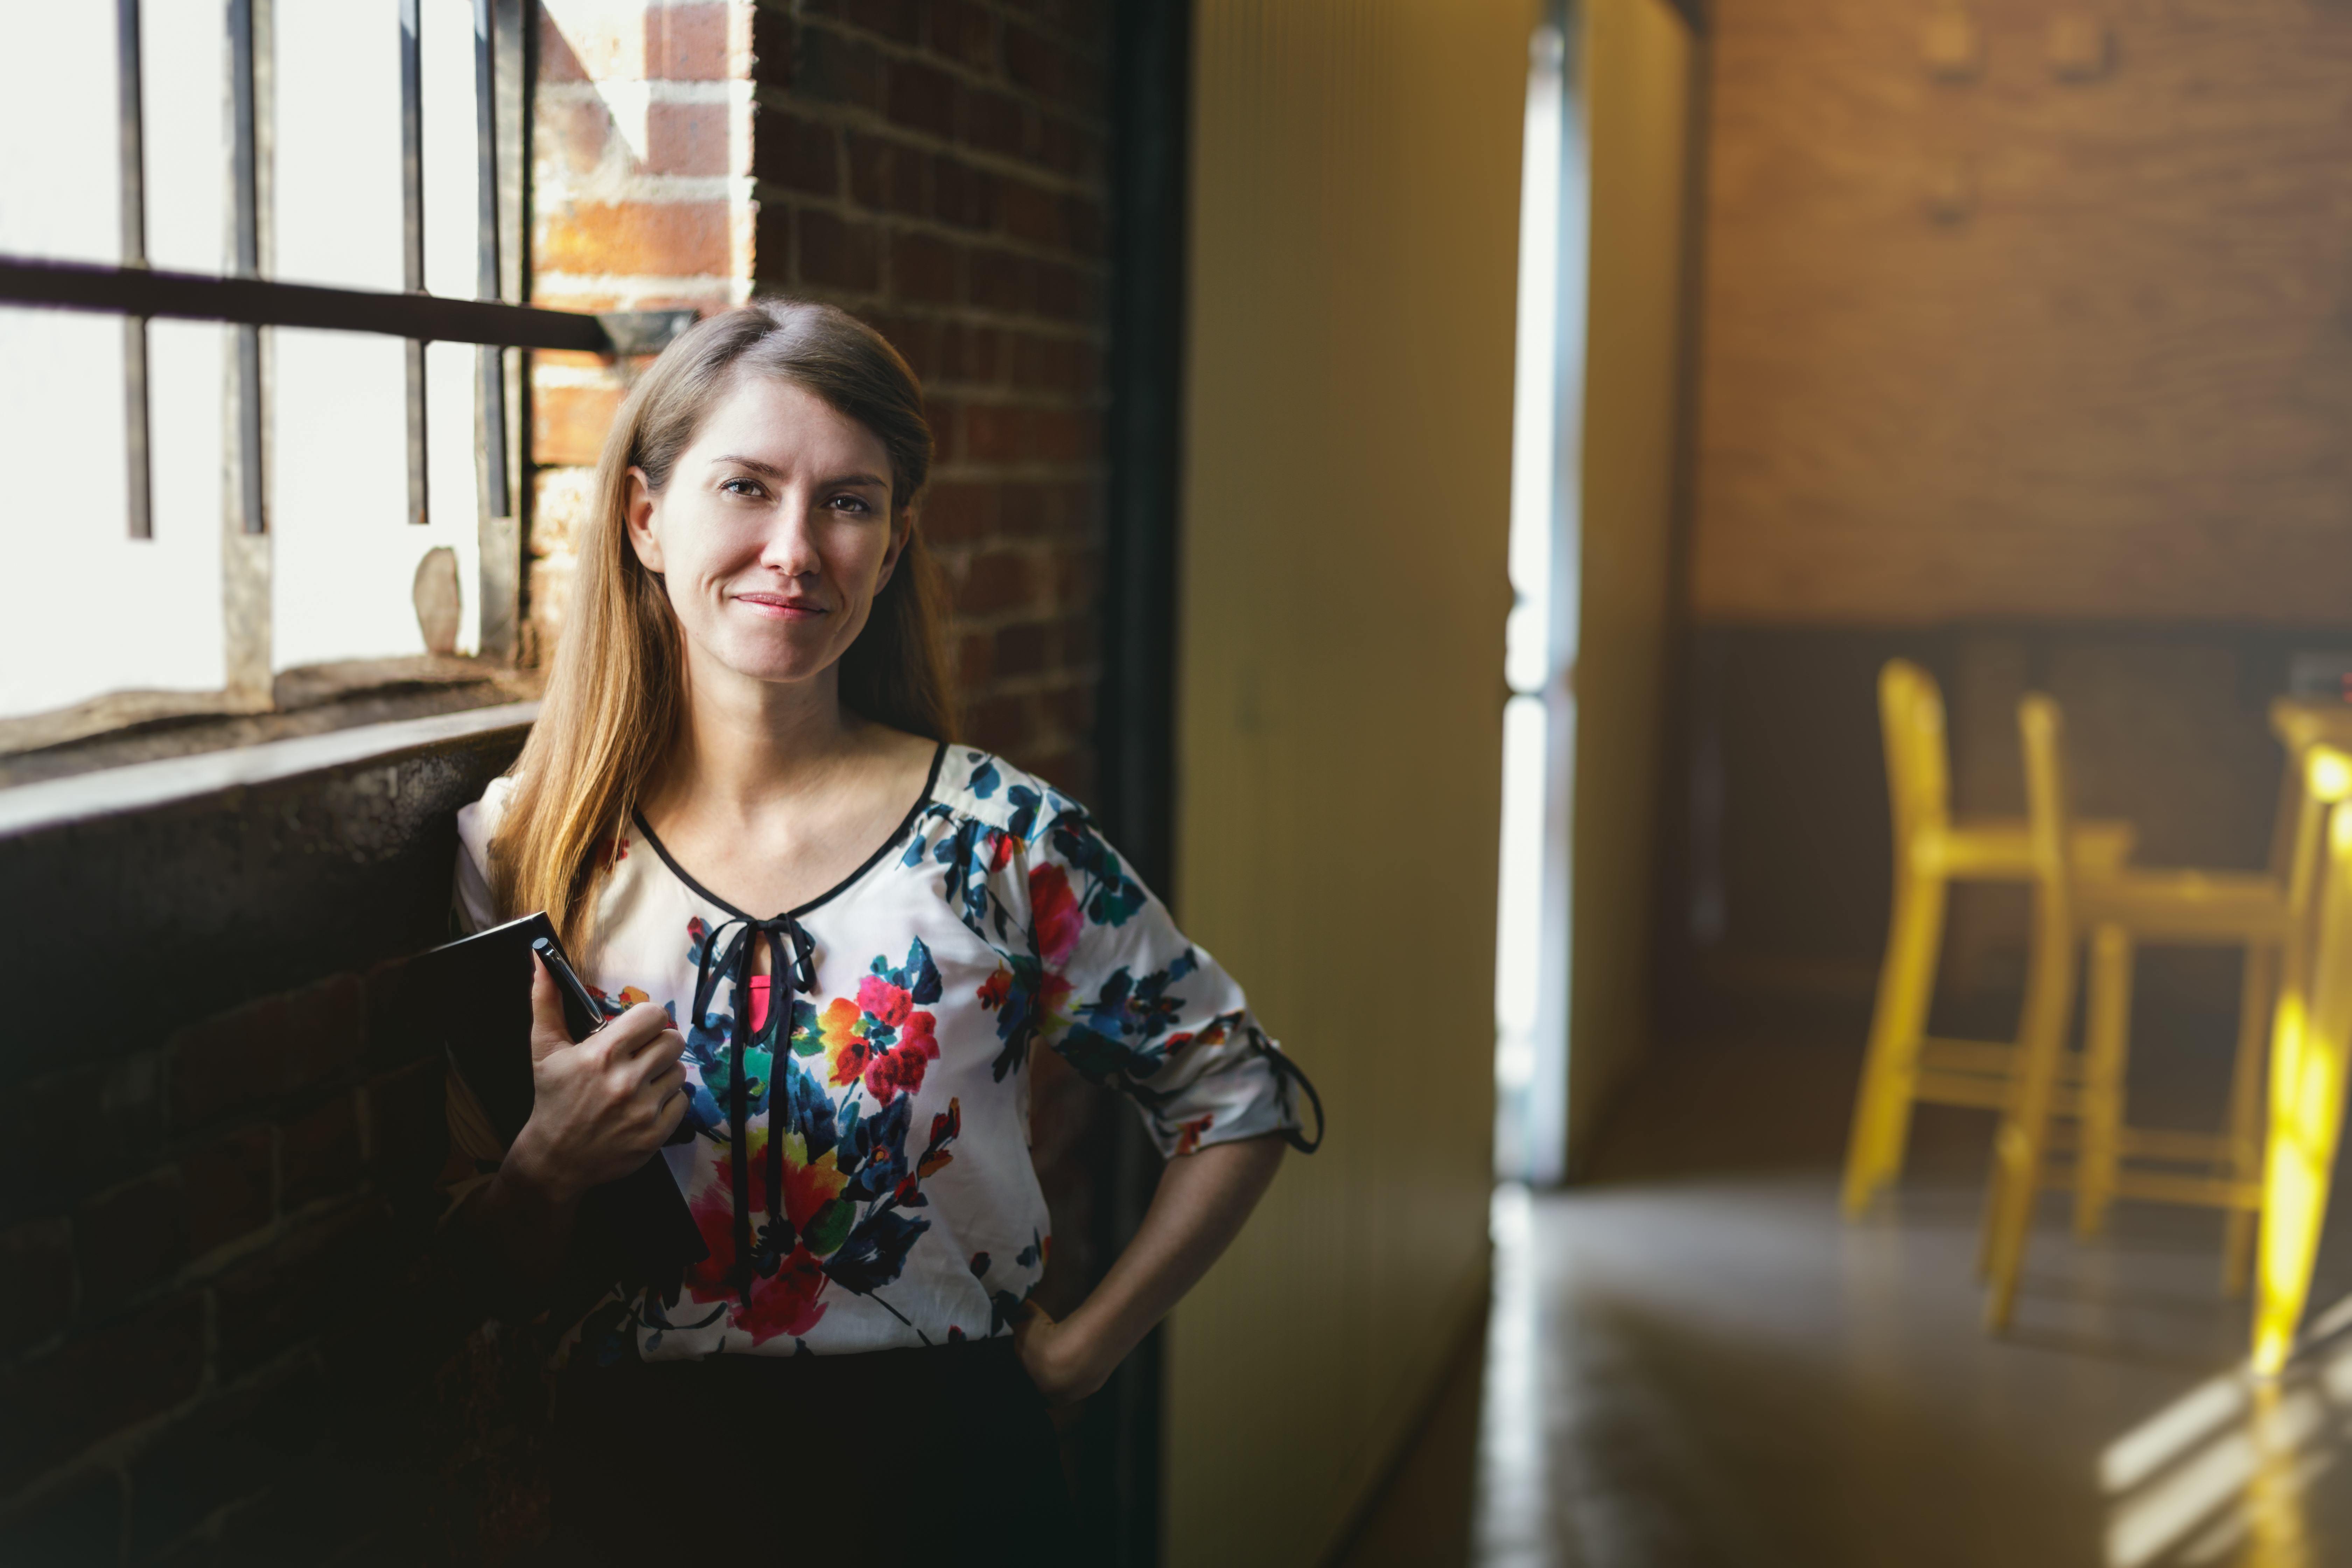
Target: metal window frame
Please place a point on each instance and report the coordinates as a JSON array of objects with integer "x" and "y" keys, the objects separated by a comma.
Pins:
[{"x": 248, "y": 301}]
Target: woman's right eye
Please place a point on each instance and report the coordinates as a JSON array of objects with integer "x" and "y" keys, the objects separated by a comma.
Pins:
[{"x": 741, "y": 486}]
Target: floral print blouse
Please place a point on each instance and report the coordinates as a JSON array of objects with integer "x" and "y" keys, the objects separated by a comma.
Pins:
[{"x": 859, "y": 1162}]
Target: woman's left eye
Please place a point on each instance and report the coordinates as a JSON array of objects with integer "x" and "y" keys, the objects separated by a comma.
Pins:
[{"x": 849, "y": 503}]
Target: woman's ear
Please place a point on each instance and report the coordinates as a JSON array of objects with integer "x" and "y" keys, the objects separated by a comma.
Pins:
[
  {"x": 639, "y": 513},
  {"x": 902, "y": 529}
]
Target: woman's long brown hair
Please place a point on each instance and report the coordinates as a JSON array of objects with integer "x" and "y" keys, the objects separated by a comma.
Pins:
[{"x": 616, "y": 696}]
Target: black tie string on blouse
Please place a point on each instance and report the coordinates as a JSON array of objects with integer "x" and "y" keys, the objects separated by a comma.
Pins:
[{"x": 792, "y": 969}]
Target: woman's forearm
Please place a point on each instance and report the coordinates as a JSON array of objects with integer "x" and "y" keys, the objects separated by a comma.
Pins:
[
  {"x": 512, "y": 1232},
  {"x": 1202, "y": 1200}
]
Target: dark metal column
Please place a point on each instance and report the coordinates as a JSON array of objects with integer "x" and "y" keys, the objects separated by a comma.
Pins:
[
  {"x": 412, "y": 243},
  {"x": 132, "y": 112},
  {"x": 1151, "y": 92},
  {"x": 246, "y": 179},
  {"x": 486, "y": 267}
]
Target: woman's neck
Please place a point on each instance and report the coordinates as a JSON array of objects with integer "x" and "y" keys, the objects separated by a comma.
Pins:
[{"x": 750, "y": 747}]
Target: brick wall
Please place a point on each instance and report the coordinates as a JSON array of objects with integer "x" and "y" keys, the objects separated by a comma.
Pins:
[
  {"x": 936, "y": 166},
  {"x": 222, "y": 1336}
]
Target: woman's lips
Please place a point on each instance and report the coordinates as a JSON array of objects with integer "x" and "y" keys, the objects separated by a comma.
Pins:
[{"x": 781, "y": 607}]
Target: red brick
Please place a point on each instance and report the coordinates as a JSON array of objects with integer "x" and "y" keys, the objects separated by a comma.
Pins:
[
  {"x": 954, "y": 514},
  {"x": 685, "y": 43},
  {"x": 947, "y": 435},
  {"x": 835, "y": 254},
  {"x": 1039, "y": 510},
  {"x": 771, "y": 47},
  {"x": 133, "y": 1236},
  {"x": 962, "y": 31},
  {"x": 916, "y": 339},
  {"x": 975, "y": 664},
  {"x": 1063, "y": 292},
  {"x": 995, "y": 433},
  {"x": 1043, "y": 65},
  {"x": 266, "y": 1048},
  {"x": 887, "y": 176},
  {"x": 226, "y": 1450},
  {"x": 37, "y": 1260},
  {"x": 999, "y": 724},
  {"x": 1028, "y": 648},
  {"x": 894, "y": 19},
  {"x": 963, "y": 194},
  {"x": 997, "y": 123},
  {"x": 579, "y": 132},
  {"x": 408, "y": 1124},
  {"x": 833, "y": 67},
  {"x": 685, "y": 138},
  {"x": 319, "y": 1155},
  {"x": 63, "y": 1134},
  {"x": 1081, "y": 20},
  {"x": 99, "y": 1383},
  {"x": 1000, "y": 281},
  {"x": 796, "y": 154},
  {"x": 922, "y": 97},
  {"x": 228, "y": 1189},
  {"x": 973, "y": 355},
  {"x": 772, "y": 246},
  {"x": 998, "y": 580},
  {"x": 1069, "y": 708},
  {"x": 1064, "y": 434},
  {"x": 1034, "y": 214},
  {"x": 923, "y": 268},
  {"x": 666, "y": 239},
  {"x": 556, "y": 60},
  {"x": 1065, "y": 147},
  {"x": 1070, "y": 579},
  {"x": 288, "y": 1291},
  {"x": 568, "y": 423}
]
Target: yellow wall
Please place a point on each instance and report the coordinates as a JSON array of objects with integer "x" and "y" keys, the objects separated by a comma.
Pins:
[
  {"x": 1637, "y": 77},
  {"x": 1353, "y": 255}
]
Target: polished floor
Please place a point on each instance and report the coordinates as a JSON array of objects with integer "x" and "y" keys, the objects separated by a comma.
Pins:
[{"x": 1696, "y": 1361}]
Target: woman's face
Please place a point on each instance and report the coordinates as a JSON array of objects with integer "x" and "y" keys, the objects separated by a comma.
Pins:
[{"x": 775, "y": 532}]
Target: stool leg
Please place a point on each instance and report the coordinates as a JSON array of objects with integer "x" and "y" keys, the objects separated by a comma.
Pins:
[
  {"x": 1898, "y": 1023},
  {"x": 2309, "y": 1048},
  {"x": 2108, "y": 1028},
  {"x": 2019, "y": 1148},
  {"x": 2255, "y": 1001}
]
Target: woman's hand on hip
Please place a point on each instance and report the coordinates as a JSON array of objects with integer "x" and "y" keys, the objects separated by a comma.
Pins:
[{"x": 600, "y": 1108}]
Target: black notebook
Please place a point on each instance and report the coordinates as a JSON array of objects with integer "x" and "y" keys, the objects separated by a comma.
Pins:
[{"x": 476, "y": 995}]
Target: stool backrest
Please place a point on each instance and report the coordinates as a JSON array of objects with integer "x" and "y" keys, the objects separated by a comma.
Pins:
[
  {"x": 2049, "y": 820},
  {"x": 1918, "y": 765}
]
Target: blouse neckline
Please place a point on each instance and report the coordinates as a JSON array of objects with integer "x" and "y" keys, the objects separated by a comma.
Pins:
[{"x": 906, "y": 825}]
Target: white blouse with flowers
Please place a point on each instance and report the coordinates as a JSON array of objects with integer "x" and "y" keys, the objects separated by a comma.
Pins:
[{"x": 859, "y": 1163}]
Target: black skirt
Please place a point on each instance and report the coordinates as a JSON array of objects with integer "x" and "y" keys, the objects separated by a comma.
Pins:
[{"x": 936, "y": 1455}]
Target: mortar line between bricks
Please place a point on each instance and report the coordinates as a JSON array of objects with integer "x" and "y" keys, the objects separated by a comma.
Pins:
[
  {"x": 994, "y": 239},
  {"x": 862, "y": 121},
  {"x": 887, "y": 48}
]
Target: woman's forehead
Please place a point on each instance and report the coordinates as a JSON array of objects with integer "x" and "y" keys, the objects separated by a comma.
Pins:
[{"x": 784, "y": 425}]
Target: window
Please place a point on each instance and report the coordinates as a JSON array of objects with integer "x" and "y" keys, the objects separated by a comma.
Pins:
[{"x": 260, "y": 348}]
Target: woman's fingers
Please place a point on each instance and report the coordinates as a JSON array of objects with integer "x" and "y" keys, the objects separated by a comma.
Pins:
[
  {"x": 637, "y": 1028},
  {"x": 549, "y": 1033}
]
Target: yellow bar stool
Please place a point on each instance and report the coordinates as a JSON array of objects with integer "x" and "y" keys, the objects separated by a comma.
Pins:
[
  {"x": 2310, "y": 1040},
  {"x": 2113, "y": 911},
  {"x": 1903, "y": 1066}
]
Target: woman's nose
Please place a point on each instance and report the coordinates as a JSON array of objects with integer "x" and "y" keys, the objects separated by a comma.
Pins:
[{"x": 790, "y": 545}]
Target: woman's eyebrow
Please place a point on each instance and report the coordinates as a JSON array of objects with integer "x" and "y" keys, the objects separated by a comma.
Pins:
[{"x": 774, "y": 472}]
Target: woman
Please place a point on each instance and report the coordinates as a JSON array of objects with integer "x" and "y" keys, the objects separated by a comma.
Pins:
[{"x": 826, "y": 941}]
